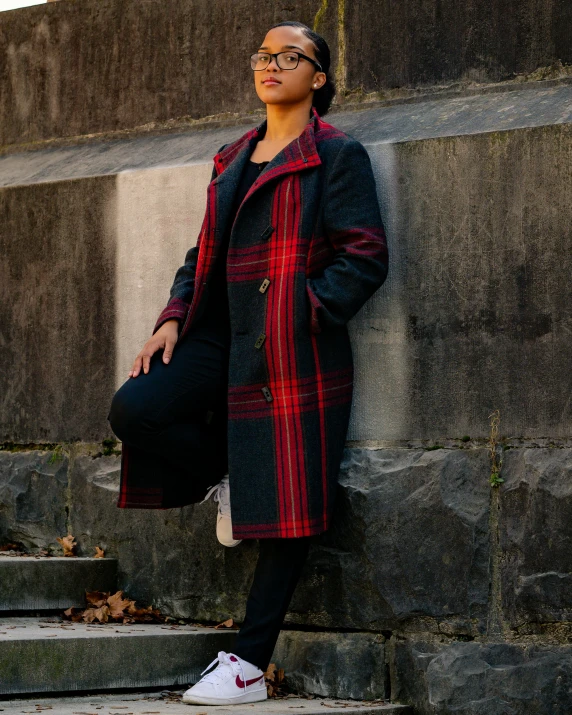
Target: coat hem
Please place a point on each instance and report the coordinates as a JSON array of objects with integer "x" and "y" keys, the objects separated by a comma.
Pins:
[{"x": 278, "y": 533}]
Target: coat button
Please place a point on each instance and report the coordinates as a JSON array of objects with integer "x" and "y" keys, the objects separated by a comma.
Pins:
[
  {"x": 267, "y": 394},
  {"x": 260, "y": 340},
  {"x": 267, "y": 231},
  {"x": 264, "y": 285}
]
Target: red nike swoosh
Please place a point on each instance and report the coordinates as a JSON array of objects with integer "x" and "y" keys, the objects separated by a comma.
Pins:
[{"x": 240, "y": 683}]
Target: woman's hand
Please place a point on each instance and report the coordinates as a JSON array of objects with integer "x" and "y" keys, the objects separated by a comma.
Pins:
[{"x": 166, "y": 337}]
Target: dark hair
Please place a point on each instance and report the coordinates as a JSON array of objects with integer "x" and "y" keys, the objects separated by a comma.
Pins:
[{"x": 323, "y": 96}]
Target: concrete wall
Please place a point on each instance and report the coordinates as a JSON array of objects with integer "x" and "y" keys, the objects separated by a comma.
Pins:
[
  {"x": 102, "y": 191},
  {"x": 472, "y": 318},
  {"x": 81, "y": 67}
]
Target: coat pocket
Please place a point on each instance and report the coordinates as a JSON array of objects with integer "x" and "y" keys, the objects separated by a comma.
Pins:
[{"x": 313, "y": 307}]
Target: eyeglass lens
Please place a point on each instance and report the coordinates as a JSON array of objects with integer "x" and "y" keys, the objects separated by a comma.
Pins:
[{"x": 285, "y": 60}]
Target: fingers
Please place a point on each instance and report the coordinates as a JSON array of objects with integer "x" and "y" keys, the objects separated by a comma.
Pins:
[
  {"x": 168, "y": 351},
  {"x": 146, "y": 362},
  {"x": 165, "y": 338},
  {"x": 136, "y": 369},
  {"x": 143, "y": 360}
]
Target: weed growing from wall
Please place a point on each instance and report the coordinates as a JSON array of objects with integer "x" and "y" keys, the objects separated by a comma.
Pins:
[{"x": 496, "y": 463}]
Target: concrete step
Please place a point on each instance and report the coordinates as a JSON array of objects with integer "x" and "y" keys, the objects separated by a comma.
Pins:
[
  {"x": 50, "y": 655},
  {"x": 52, "y": 582},
  {"x": 169, "y": 703}
]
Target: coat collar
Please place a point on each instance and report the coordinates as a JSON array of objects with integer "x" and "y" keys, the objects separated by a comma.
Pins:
[{"x": 300, "y": 154}]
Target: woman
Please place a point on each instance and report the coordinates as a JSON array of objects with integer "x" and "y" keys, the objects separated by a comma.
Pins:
[{"x": 255, "y": 383}]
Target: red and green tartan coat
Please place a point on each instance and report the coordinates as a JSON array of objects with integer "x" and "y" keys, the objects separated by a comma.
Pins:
[{"x": 310, "y": 230}]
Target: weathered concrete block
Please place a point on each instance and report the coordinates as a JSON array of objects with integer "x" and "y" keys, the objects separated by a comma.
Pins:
[
  {"x": 460, "y": 327},
  {"x": 33, "y": 498},
  {"x": 336, "y": 665},
  {"x": 159, "y": 70},
  {"x": 535, "y": 536},
  {"x": 145, "y": 702},
  {"x": 424, "y": 43},
  {"x": 57, "y": 310},
  {"x": 52, "y": 582},
  {"x": 473, "y": 315},
  {"x": 38, "y": 658},
  {"x": 483, "y": 678},
  {"x": 48, "y": 93}
]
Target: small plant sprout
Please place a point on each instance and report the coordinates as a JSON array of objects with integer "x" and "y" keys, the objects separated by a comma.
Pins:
[{"x": 496, "y": 463}]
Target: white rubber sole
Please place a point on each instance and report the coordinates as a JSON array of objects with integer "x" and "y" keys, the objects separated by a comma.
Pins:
[
  {"x": 221, "y": 536},
  {"x": 250, "y": 697}
]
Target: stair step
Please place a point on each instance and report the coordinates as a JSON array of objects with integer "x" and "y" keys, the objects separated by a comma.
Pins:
[
  {"x": 49, "y": 655},
  {"x": 52, "y": 582},
  {"x": 170, "y": 704}
]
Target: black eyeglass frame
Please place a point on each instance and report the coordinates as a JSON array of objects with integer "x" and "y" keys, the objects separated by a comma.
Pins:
[{"x": 284, "y": 52}]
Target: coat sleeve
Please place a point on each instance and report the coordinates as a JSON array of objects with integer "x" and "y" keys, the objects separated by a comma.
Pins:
[
  {"x": 354, "y": 228},
  {"x": 181, "y": 293}
]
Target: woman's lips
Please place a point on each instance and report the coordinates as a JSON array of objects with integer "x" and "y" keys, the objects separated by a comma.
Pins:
[{"x": 271, "y": 81}]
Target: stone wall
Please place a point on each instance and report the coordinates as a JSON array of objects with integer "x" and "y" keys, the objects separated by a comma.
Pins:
[{"x": 456, "y": 593}]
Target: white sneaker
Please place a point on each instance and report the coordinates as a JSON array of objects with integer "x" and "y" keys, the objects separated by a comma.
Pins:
[
  {"x": 234, "y": 680},
  {"x": 221, "y": 493}
]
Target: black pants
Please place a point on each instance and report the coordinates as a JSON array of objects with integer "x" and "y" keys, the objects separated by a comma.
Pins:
[{"x": 162, "y": 413}]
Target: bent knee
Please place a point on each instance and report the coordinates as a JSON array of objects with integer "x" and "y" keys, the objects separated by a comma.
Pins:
[{"x": 126, "y": 417}]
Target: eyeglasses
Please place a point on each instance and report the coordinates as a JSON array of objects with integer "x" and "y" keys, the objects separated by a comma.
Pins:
[{"x": 285, "y": 60}]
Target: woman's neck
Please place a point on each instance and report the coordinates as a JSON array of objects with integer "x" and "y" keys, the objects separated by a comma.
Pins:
[
  {"x": 285, "y": 122},
  {"x": 283, "y": 125}
]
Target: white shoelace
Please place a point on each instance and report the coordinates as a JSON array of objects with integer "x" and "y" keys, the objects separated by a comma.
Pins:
[
  {"x": 223, "y": 659},
  {"x": 221, "y": 493}
]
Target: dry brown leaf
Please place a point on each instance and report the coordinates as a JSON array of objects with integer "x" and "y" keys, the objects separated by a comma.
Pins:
[
  {"x": 96, "y": 598},
  {"x": 88, "y": 615},
  {"x": 99, "y": 553},
  {"x": 275, "y": 681},
  {"x": 68, "y": 544},
  {"x": 117, "y": 604},
  {"x": 229, "y": 623},
  {"x": 104, "y": 607},
  {"x": 74, "y": 614},
  {"x": 102, "y": 614}
]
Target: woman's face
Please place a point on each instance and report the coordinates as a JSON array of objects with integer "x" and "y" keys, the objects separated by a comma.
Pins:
[{"x": 288, "y": 86}]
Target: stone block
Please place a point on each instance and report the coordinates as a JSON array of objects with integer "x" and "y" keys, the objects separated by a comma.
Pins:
[
  {"x": 409, "y": 541},
  {"x": 535, "y": 536},
  {"x": 483, "y": 678},
  {"x": 36, "y": 657},
  {"x": 52, "y": 582},
  {"x": 335, "y": 665},
  {"x": 33, "y": 498}
]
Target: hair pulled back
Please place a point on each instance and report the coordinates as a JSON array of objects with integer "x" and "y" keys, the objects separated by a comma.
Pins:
[{"x": 322, "y": 97}]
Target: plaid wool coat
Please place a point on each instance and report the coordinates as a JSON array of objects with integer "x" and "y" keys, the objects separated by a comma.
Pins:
[{"x": 307, "y": 249}]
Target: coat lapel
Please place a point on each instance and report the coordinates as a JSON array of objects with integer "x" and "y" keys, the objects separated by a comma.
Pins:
[{"x": 300, "y": 154}]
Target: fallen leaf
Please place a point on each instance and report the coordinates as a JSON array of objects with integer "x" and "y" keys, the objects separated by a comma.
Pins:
[
  {"x": 96, "y": 598},
  {"x": 68, "y": 544},
  {"x": 102, "y": 614},
  {"x": 275, "y": 681},
  {"x": 99, "y": 553},
  {"x": 104, "y": 607}
]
